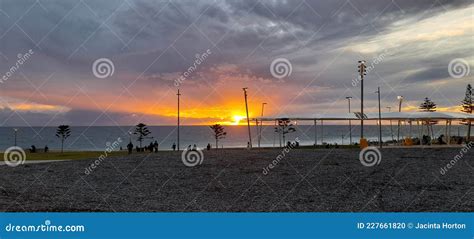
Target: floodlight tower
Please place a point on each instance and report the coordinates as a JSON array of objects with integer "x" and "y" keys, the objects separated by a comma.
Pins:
[{"x": 362, "y": 72}]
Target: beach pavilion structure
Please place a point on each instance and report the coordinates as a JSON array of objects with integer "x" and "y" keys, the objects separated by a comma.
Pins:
[{"x": 410, "y": 118}]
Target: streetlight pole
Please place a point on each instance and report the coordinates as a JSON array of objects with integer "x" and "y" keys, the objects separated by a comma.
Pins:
[
  {"x": 391, "y": 128},
  {"x": 380, "y": 118},
  {"x": 248, "y": 120},
  {"x": 362, "y": 73},
  {"x": 350, "y": 121},
  {"x": 400, "y": 100},
  {"x": 15, "y": 130},
  {"x": 178, "y": 118},
  {"x": 261, "y": 126}
]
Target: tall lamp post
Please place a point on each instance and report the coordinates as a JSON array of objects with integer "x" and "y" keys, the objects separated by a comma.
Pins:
[
  {"x": 350, "y": 122},
  {"x": 400, "y": 100},
  {"x": 178, "y": 119},
  {"x": 15, "y": 130},
  {"x": 362, "y": 73},
  {"x": 248, "y": 120},
  {"x": 391, "y": 128},
  {"x": 380, "y": 118},
  {"x": 261, "y": 126}
]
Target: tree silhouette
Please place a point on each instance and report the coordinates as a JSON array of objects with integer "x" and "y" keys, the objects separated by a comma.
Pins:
[
  {"x": 219, "y": 133},
  {"x": 63, "y": 132},
  {"x": 429, "y": 106},
  {"x": 142, "y": 131},
  {"x": 468, "y": 107},
  {"x": 284, "y": 127}
]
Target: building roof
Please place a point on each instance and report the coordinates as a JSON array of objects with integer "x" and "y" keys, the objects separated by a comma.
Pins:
[{"x": 411, "y": 116}]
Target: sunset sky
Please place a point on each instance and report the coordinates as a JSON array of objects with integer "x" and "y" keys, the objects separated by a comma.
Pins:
[{"x": 152, "y": 43}]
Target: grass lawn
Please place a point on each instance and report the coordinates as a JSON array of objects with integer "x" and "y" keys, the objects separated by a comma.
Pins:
[{"x": 71, "y": 155}]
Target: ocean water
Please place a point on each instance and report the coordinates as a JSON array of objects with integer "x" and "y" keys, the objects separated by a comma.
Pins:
[{"x": 97, "y": 138}]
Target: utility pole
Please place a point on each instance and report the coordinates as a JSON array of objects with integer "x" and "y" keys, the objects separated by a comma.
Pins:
[
  {"x": 380, "y": 118},
  {"x": 178, "y": 118},
  {"x": 16, "y": 131},
  {"x": 350, "y": 121},
  {"x": 261, "y": 126},
  {"x": 400, "y": 100},
  {"x": 362, "y": 73},
  {"x": 248, "y": 120}
]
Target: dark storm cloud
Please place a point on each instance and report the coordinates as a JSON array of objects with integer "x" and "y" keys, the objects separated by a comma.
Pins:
[{"x": 155, "y": 41}]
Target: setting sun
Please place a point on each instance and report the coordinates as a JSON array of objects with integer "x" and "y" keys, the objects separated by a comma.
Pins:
[{"x": 237, "y": 119}]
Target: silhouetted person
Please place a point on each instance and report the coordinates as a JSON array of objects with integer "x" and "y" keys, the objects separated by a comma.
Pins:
[
  {"x": 194, "y": 147},
  {"x": 155, "y": 145},
  {"x": 248, "y": 145},
  {"x": 46, "y": 149},
  {"x": 33, "y": 149},
  {"x": 189, "y": 147},
  {"x": 208, "y": 146},
  {"x": 130, "y": 147},
  {"x": 174, "y": 147}
]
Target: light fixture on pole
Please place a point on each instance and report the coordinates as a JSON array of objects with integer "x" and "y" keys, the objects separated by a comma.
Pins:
[
  {"x": 248, "y": 119},
  {"x": 380, "y": 118},
  {"x": 350, "y": 122},
  {"x": 400, "y": 100},
  {"x": 362, "y": 72},
  {"x": 178, "y": 119},
  {"x": 261, "y": 126}
]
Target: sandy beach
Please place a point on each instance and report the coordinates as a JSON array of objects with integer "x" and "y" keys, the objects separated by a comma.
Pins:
[{"x": 304, "y": 180}]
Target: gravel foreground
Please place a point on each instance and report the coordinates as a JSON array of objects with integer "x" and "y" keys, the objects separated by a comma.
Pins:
[{"x": 304, "y": 180}]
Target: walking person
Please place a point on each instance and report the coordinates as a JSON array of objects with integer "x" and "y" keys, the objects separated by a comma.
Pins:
[{"x": 155, "y": 145}]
